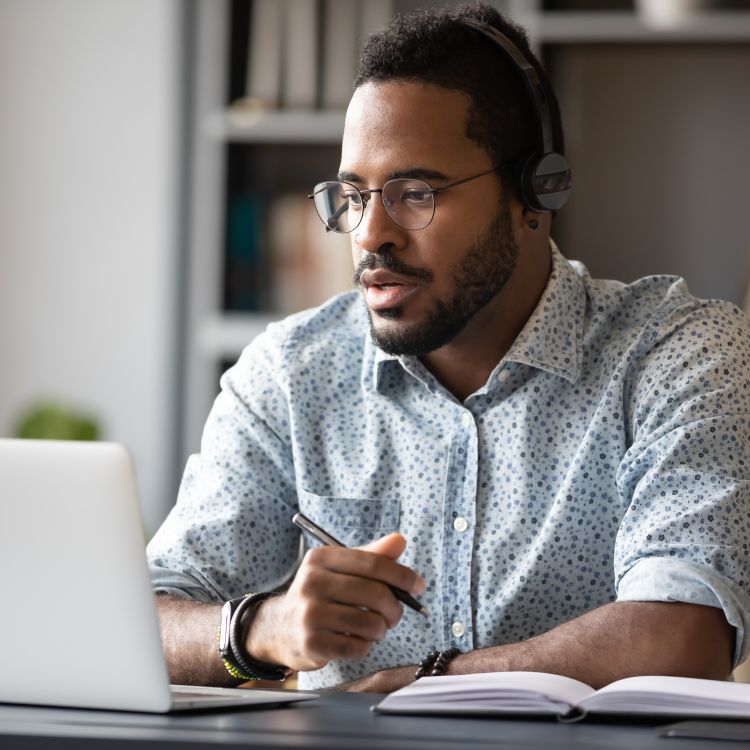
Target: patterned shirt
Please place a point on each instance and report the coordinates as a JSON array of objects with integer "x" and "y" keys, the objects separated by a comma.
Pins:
[{"x": 606, "y": 458}]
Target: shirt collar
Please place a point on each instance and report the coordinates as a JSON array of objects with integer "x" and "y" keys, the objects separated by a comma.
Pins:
[
  {"x": 551, "y": 339},
  {"x": 411, "y": 364}
]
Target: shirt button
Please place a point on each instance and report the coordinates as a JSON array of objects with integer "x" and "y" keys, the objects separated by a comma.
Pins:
[
  {"x": 458, "y": 629},
  {"x": 466, "y": 419},
  {"x": 460, "y": 524}
]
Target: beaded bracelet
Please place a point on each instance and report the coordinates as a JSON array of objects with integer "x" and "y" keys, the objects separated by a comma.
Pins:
[
  {"x": 436, "y": 662},
  {"x": 234, "y": 671},
  {"x": 231, "y": 638}
]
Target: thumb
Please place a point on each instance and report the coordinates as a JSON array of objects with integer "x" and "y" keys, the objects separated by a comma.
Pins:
[{"x": 391, "y": 545}]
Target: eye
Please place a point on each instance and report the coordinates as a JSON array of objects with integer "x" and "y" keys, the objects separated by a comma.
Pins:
[
  {"x": 353, "y": 199},
  {"x": 416, "y": 196}
]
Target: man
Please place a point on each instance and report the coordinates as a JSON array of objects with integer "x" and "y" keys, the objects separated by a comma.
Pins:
[{"x": 556, "y": 466}]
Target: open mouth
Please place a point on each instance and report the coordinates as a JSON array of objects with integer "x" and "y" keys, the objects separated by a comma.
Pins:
[{"x": 390, "y": 294}]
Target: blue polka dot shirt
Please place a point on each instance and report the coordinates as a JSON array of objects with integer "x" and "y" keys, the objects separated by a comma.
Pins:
[{"x": 605, "y": 459}]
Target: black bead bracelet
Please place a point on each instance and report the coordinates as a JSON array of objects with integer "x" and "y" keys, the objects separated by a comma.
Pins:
[{"x": 436, "y": 662}]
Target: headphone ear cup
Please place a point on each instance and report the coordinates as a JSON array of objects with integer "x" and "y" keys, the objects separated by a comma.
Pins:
[{"x": 545, "y": 182}]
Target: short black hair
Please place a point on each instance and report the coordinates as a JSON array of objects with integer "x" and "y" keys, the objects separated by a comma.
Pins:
[{"x": 433, "y": 46}]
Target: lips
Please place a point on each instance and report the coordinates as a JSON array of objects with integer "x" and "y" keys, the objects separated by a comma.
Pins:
[{"x": 385, "y": 289}]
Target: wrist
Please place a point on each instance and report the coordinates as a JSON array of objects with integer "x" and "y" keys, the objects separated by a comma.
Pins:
[
  {"x": 261, "y": 640},
  {"x": 237, "y": 616}
]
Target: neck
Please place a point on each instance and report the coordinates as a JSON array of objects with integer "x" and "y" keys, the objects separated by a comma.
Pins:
[{"x": 465, "y": 363}]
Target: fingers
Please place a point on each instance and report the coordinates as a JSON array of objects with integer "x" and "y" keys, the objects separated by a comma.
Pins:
[
  {"x": 337, "y": 631},
  {"x": 325, "y": 646},
  {"x": 340, "y": 603},
  {"x": 370, "y": 565},
  {"x": 324, "y": 585},
  {"x": 391, "y": 545},
  {"x": 349, "y": 621}
]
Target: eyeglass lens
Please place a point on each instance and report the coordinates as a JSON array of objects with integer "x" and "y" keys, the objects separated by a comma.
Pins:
[{"x": 410, "y": 203}]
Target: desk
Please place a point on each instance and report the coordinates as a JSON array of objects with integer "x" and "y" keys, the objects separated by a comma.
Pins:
[{"x": 335, "y": 721}]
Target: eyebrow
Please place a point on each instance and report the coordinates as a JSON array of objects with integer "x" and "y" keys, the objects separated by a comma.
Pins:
[{"x": 413, "y": 173}]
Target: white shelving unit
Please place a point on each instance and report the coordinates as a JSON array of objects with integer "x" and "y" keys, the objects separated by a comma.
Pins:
[
  {"x": 276, "y": 127},
  {"x": 204, "y": 231},
  {"x": 574, "y": 27},
  {"x": 223, "y": 336},
  {"x": 213, "y": 336}
]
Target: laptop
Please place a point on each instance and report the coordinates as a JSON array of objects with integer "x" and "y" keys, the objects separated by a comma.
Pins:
[{"x": 79, "y": 626}]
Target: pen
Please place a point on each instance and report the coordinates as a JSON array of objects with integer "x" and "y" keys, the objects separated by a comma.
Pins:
[{"x": 323, "y": 536}]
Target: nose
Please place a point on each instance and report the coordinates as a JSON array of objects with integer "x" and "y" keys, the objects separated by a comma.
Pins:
[{"x": 378, "y": 231}]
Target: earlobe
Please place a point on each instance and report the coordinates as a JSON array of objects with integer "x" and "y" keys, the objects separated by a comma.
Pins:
[{"x": 532, "y": 219}]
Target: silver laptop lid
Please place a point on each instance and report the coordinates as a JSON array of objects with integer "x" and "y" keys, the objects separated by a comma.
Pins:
[{"x": 78, "y": 625}]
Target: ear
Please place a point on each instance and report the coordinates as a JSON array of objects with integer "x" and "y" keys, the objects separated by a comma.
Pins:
[{"x": 535, "y": 222}]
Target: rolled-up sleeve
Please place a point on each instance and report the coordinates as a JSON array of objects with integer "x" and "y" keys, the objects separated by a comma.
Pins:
[
  {"x": 685, "y": 479},
  {"x": 230, "y": 531}
]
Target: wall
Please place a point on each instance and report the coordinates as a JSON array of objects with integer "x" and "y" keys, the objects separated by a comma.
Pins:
[
  {"x": 657, "y": 136},
  {"x": 89, "y": 112}
]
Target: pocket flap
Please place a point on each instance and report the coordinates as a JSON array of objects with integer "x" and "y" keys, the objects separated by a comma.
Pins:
[{"x": 375, "y": 514}]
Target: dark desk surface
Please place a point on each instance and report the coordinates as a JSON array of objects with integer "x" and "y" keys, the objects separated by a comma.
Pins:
[{"x": 333, "y": 721}]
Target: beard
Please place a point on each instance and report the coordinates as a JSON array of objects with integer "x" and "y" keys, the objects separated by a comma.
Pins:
[{"x": 479, "y": 276}]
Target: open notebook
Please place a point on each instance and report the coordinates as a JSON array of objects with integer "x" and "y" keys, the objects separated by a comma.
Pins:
[
  {"x": 79, "y": 624},
  {"x": 498, "y": 693}
]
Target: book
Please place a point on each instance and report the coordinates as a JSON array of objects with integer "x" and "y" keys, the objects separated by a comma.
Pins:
[
  {"x": 300, "y": 54},
  {"x": 339, "y": 52},
  {"x": 264, "y": 56},
  {"x": 244, "y": 267},
  {"x": 515, "y": 693},
  {"x": 307, "y": 264}
]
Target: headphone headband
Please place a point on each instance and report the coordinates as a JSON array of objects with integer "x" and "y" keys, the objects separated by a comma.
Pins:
[
  {"x": 530, "y": 78},
  {"x": 545, "y": 181}
]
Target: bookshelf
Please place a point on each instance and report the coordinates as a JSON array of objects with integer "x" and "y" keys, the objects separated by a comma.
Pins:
[
  {"x": 276, "y": 127},
  {"x": 272, "y": 153},
  {"x": 559, "y": 27}
]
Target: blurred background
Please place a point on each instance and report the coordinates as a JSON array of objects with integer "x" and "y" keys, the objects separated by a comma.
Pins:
[{"x": 155, "y": 156}]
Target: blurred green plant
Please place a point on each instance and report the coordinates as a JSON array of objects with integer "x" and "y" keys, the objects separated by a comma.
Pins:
[{"x": 54, "y": 421}]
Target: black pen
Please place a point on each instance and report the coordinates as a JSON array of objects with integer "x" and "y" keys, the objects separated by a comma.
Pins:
[{"x": 323, "y": 536}]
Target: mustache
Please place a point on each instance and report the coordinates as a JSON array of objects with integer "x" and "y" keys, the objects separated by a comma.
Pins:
[{"x": 388, "y": 261}]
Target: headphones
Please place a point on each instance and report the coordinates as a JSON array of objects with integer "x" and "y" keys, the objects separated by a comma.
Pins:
[{"x": 544, "y": 178}]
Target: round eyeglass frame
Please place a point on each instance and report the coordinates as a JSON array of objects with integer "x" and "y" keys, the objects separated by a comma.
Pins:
[{"x": 365, "y": 195}]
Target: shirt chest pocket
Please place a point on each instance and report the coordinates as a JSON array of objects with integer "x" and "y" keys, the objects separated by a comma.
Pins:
[{"x": 351, "y": 520}]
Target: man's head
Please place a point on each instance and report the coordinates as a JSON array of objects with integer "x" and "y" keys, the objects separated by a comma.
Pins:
[
  {"x": 437, "y": 101},
  {"x": 435, "y": 47}
]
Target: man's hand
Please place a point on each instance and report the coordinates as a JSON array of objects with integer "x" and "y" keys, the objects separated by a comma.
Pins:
[{"x": 337, "y": 606}]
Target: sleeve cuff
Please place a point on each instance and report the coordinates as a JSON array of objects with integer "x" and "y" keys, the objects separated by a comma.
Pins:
[
  {"x": 669, "y": 580},
  {"x": 182, "y": 585}
]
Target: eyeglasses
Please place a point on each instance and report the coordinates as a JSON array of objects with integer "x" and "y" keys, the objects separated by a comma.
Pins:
[{"x": 410, "y": 203}]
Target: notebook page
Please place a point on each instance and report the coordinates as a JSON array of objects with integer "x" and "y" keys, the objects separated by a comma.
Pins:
[
  {"x": 658, "y": 694},
  {"x": 493, "y": 692}
]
